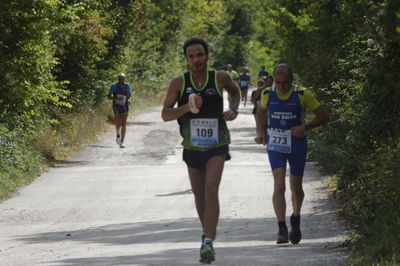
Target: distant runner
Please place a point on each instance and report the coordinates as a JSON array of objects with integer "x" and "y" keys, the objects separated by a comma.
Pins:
[
  {"x": 244, "y": 83},
  {"x": 232, "y": 73},
  {"x": 262, "y": 73},
  {"x": 120, "y": 94}
]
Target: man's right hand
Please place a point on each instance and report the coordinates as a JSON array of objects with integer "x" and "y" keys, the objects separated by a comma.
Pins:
[{"x": 195, "y": 102}]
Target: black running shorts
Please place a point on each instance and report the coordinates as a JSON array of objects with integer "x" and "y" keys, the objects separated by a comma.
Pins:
[
  {"x": 199, "y": 159},
  {"x": 120, "y": 109}
]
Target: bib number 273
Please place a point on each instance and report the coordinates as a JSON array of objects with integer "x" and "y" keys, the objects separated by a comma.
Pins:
[{"x": 280, "y": 140}]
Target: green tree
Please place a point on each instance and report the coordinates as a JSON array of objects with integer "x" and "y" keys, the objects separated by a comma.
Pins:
[{"x": 27, "y": 88}]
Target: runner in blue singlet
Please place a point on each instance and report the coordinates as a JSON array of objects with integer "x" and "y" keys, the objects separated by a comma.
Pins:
[
  {"x": 244, "y": 83},
  {"x": 120, "y": 94},
  {"x": 280, "y": 125}
]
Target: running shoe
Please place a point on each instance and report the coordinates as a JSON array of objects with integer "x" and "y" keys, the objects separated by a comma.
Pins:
[
  {"x": 295, "y": 233},
  {"x": 282, "y": 236},
  {"x": 207, "y": 254},
  {"x": 118, "y": 140},
  {"x": 121, "y": 145}
]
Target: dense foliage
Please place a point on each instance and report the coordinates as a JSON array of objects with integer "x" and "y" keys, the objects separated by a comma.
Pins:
[{"x": 58, "y": 58}]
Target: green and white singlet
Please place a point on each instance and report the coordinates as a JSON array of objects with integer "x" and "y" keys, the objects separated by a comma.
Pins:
[{"x": 207, "y": 129}]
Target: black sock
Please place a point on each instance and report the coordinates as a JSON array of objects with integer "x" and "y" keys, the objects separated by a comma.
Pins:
[
  {"x": 295, "y": 220},
  {"x": 282, "y": 225}
]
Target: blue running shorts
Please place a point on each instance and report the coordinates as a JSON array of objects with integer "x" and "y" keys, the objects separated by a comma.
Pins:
[{"x": 297, "y": 161}]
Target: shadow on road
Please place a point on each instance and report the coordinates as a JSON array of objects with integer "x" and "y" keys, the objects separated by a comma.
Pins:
[{"x": 239, "y": 241}]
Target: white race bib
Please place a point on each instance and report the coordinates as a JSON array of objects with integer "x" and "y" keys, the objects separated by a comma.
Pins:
[
  {"x": 121, "y": 99},
  {"x": 243, "y": 83},
  {"x": 204, "y": 132},
  {"x": 280, "y": 140}
]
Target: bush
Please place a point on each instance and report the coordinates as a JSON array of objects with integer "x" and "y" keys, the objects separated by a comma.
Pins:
[{"x": 18, "y": 164}]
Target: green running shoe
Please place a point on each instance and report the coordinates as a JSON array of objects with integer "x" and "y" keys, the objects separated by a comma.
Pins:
[{"x": 207, "y": 253}]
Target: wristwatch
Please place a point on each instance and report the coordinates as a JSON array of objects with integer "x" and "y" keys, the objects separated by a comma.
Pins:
[
  {"x": 308, "y": 126},
  {"x": 234, "y": 110}
]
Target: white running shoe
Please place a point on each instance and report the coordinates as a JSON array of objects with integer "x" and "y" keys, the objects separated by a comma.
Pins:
[
  {"x": 118, "y": 140},
  {"x": 121, "y": 145}
]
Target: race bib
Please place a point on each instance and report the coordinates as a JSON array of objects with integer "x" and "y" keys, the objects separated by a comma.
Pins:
[
  {"x": 204, "y": 132},
  {"x": 121, "y": 99},
  {"x": 280, "y": 140},
  {"x": 243, "y": 83}
]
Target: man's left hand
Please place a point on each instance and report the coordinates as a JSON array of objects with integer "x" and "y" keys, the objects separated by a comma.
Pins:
[
  {"x": 299, "y": 131},
  {"x": 229, "y": 115}
]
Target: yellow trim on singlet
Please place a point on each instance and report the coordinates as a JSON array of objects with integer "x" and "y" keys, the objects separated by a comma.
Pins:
[{"x": 307, "y": 99}]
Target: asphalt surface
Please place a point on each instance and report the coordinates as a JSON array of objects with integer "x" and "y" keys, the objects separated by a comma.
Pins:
[{"x": 134, "y": 206}]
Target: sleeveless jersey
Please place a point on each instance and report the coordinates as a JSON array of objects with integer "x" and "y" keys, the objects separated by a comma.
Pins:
[
  {"x": 207, "y": 129},
  {"x": 282, "y": 116},
  {"x": 121, "y": 93},
  {"x": 244, "y": 80}
]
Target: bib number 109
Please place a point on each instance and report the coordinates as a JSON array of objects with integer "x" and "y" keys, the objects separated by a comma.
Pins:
[{"x": 204, "y": 132}]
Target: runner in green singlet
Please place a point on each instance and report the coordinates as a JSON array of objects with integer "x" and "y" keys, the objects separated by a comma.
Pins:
[{"x": 202, "y": 120}]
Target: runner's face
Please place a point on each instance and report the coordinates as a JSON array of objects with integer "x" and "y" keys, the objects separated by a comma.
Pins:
[
  {"x": 121, "y": 79},
  {"x": 283, "y": 82},
  {"x": 196, "y": 57}
]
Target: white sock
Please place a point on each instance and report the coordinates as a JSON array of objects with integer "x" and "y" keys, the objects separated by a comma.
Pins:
[{"x": 208, "y": 240}]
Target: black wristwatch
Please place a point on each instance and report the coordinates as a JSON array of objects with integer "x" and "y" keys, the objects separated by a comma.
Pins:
[
  {"x": 308, "y": 126},
  {"x": 235, "y": 111}
]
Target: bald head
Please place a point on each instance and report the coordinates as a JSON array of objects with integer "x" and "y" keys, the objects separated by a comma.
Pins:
[{"x": 121, "y": 78}]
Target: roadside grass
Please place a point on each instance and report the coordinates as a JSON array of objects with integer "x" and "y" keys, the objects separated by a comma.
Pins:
[
  {"x": 365, "y": 256},
  {"x": 21, "y": 163}
]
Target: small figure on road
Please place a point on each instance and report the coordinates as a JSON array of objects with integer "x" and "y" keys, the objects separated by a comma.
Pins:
[
  {"x": 280, "y": 125},
  {"x": 244, "y": 82},
  {"x": 262, "y": 72},
  {"x": 256, "y": 94},
  {"x": 120, "y": 94},
  {"x": 232, "y": 73},
  {"x": 202, "y": 122}
]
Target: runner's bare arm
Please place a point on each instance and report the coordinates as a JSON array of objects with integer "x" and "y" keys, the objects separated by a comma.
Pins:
[
  {"x": 261, "y": 125},
  {"x": 256, "y": 97},
  {"x": 321, "y": 117},
  {"x": 225, "y": 82},
  {"x": 169, "y": 112}
]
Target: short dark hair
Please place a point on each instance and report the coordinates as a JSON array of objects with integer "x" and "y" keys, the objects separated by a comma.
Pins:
[
  {"x": 193, "y": 41},
  {"x": 278, "y": 68}
]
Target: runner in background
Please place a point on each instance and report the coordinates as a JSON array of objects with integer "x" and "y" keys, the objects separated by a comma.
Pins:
[
  {"x": 244, "y": 83},
  {"x": 262, "y": 72},
  {"x": 120, "y": 94},
  {"x": 232, "y": 73}
]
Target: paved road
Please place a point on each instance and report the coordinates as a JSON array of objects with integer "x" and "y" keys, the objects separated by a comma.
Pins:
[{"x": 134, "y": 206}]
